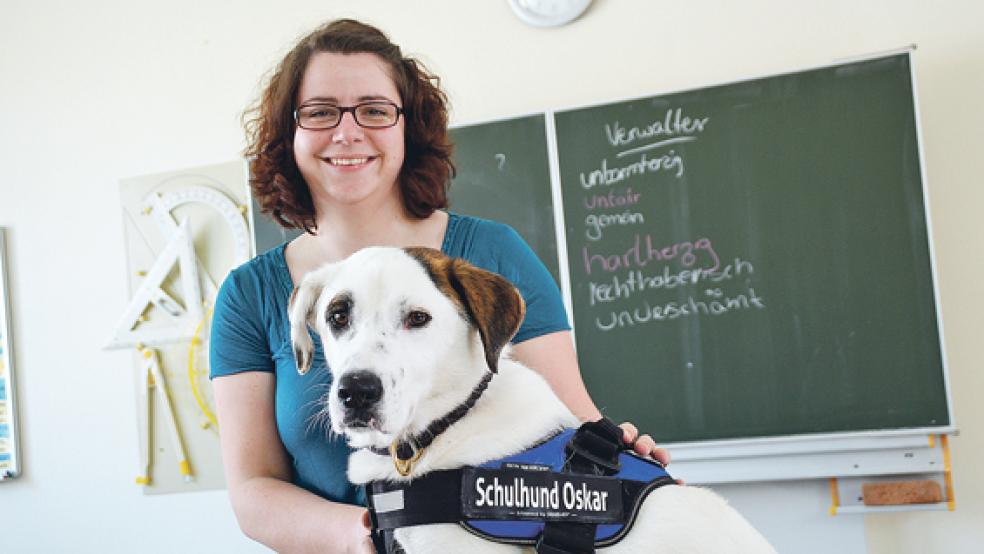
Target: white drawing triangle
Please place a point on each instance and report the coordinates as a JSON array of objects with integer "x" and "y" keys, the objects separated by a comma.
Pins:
[{"x": 181, "y": 250}]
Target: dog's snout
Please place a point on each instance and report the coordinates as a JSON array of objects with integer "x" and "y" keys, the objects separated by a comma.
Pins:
[{"x": 360, "y": 389}]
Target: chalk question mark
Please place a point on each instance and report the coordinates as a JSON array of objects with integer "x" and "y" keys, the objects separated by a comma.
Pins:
[{"x": 502, "y": 160}]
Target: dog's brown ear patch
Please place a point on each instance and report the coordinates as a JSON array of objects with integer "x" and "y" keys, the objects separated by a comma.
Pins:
[{"x": 489, "y": 301}]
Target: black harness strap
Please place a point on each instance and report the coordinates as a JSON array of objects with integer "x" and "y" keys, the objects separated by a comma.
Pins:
[
  {"x": 566, "y": 538},
  {"x": 435, "y": 498},
  {"x": 594, "y": 450}
]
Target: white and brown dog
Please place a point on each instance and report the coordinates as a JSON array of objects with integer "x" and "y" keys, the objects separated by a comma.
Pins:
[{"x": 411, "y": 336}]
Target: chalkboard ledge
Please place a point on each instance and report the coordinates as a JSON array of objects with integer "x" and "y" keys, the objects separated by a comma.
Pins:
[{"x": 810, "y": 457}]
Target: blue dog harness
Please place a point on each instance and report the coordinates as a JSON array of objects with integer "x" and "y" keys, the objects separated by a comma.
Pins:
[{"x": 569, "y": 494}]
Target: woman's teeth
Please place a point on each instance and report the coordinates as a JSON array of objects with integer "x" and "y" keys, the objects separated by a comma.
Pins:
[{"x": 347, "y": 161}]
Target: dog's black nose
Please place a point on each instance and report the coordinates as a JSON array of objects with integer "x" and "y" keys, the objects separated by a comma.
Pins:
[{"x": 359, "y": 390}]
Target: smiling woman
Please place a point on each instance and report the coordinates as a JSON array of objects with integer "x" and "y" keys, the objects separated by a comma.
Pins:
[{"x": 349, "y": 142}]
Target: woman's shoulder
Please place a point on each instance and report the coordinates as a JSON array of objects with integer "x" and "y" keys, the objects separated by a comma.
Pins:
[
  {"x": 470, "y": 235},
  {"x": 260, "y": 273},
  {"x": 478, "y": 223},
  {"x": 269, "y": 262}
]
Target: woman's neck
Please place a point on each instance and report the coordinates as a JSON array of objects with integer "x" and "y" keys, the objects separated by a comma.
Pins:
[{"x": 342, "y": 232}]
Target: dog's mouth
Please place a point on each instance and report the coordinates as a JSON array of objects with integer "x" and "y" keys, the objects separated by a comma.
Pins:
[
  {"x": 362, "y": 422},
  {"x": 363, "y": 430}
]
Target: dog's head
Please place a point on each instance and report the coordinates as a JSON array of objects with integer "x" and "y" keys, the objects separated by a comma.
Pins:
[{"x": 407, "y": 334}]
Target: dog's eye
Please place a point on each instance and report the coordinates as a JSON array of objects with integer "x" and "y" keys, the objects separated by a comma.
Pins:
[
  {"x": 417, "y": 318},
  {"x": 338, "y": 319}
]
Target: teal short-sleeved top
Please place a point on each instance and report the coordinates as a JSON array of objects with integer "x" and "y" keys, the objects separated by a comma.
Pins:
[{"x": 250, "y": 332}]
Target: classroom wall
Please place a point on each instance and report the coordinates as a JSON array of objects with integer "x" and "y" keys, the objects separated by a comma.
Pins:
[{"x": 92, "y": 92}]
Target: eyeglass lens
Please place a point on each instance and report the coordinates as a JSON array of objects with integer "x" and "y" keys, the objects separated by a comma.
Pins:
[{"x": 326, "y": 116}]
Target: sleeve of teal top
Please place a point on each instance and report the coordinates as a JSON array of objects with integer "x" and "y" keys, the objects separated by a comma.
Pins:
[
  {"x": 238, "y": 340},
  {"x": 517, "y": 262}
]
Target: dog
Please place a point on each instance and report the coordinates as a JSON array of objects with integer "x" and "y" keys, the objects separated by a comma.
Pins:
[{"x": 411, "y": 336}]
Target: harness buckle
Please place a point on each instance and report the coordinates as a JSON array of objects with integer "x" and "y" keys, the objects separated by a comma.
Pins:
[{"x": 404, "y": 467}]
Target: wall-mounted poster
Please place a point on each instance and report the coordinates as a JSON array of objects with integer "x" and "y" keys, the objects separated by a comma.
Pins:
[{"x": 8, "y": 414}]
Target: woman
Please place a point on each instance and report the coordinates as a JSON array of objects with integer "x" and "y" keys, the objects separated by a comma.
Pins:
[{"x": 349, "y": 142}]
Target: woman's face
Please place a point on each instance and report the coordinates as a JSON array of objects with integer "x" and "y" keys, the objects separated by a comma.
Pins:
[{"x": 348, "y": 164}]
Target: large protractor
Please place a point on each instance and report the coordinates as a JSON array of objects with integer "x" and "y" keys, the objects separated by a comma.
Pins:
[{"x": 162, "y": 204}]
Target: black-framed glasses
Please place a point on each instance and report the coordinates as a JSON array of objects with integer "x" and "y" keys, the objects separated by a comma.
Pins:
[{"x": 371, "y": 115}]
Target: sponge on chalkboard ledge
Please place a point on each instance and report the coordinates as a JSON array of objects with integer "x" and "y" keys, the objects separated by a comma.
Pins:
[{"x": 901, "y": 492}]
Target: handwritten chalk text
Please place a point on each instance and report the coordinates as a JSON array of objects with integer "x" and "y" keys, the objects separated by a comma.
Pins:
[
  {"x": 612, "y": 199},
  {"x": 647, "y": 313},
  {"x": 637, "y": 281},
  {"x": 643, "y": 251},
  {"x": 674, "y": 123},
  {"x": 597, "y": 222},
  {"x": 605, "y": 176}
]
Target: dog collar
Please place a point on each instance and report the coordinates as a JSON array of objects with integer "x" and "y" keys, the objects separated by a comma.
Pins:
[{"x": 407, "y": 452}]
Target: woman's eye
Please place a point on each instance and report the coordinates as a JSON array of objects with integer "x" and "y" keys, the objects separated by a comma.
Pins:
[
  {"x": 417, "y": 319},
  {"x": 338, "y": 319}
]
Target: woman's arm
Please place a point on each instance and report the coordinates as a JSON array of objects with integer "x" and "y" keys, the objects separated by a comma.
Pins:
[
  {"x": 552, "y": 355},
  {"x": 269, "y": 508}
]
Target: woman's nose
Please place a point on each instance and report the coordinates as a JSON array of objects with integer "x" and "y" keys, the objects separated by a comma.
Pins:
[{"x": 347, "y": 129}]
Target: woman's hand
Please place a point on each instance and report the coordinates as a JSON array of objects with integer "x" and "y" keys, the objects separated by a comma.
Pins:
[
  {"x": 363, "y": 541},
  {"x": 643, "y": 445},
  {"x": 271, "y": 509}
]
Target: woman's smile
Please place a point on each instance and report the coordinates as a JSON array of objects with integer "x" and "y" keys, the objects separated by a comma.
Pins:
[{"x": 340, "y": 161}]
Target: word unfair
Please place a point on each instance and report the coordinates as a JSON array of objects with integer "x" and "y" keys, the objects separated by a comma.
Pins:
[{"x": 613, "y": 199}]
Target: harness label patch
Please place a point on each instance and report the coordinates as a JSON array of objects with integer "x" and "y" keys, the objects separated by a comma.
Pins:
[{"x": 513, "y": 493}]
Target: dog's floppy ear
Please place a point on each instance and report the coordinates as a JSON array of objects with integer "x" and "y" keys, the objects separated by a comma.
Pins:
[
  {"x": 493, "y": 304},
  {"x": 489, "y": 301},
  {"x": 301, "y": 314}
]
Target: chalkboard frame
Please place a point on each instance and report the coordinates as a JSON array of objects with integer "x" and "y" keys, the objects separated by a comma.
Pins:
[
  {"x": 815, "y": 442},
  {"x": 887, "y": 440}
]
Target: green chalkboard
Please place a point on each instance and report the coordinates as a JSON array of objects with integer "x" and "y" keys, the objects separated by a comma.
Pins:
[
  {"x": 752, "y": 259},
  {"x": 503, "y": 174}
]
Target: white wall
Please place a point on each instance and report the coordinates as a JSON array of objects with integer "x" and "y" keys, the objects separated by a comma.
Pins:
[{"x": 91, "y": 92}]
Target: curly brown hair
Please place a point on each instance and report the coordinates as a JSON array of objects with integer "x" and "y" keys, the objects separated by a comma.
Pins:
[{"x": 276, "y": 181}]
